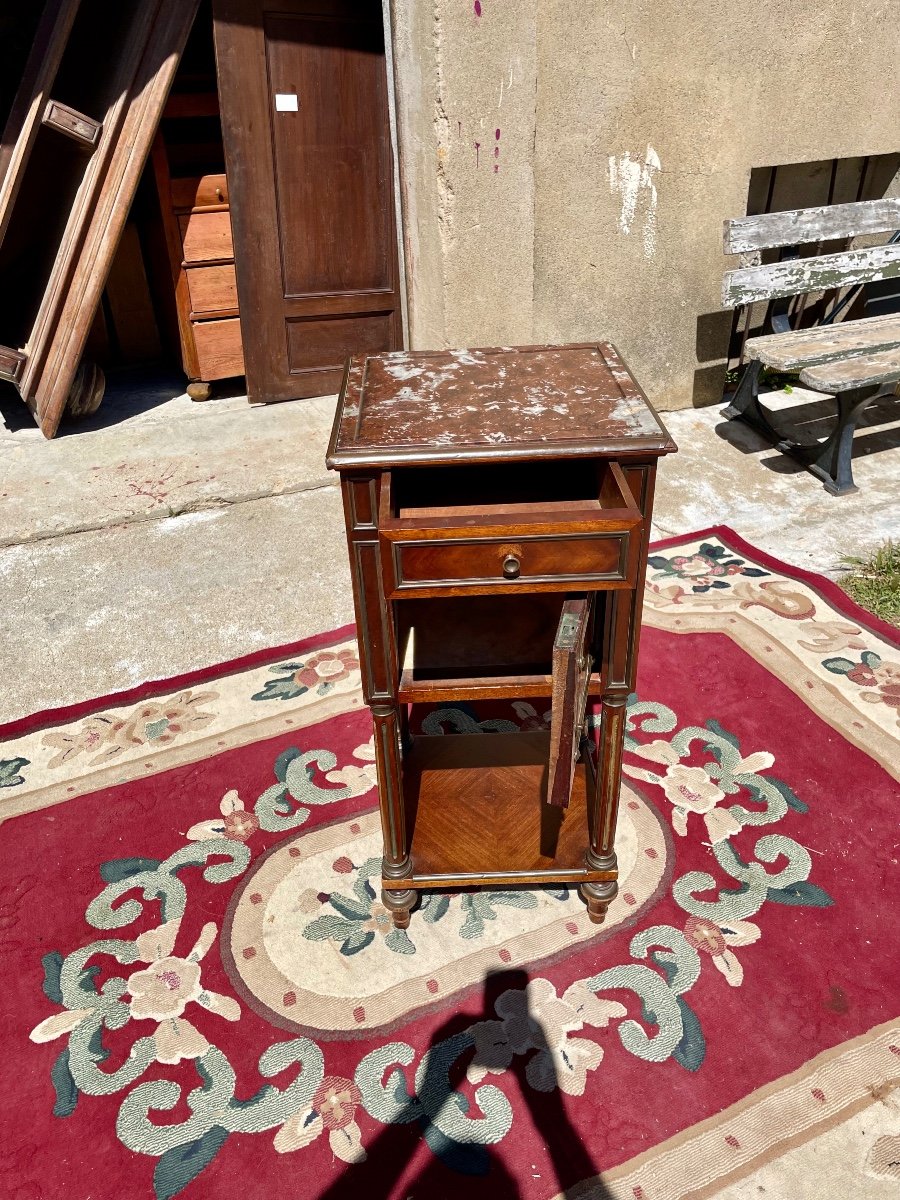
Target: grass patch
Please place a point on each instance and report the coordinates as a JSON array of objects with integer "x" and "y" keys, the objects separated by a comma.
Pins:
[{"x": 874, "y": 582}]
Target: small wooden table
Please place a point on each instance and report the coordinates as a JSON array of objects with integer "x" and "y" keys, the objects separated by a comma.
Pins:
[{"x": 498, "y": 509}]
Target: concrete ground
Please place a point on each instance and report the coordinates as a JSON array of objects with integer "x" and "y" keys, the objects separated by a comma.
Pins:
[{"x": 163, "y": 535}]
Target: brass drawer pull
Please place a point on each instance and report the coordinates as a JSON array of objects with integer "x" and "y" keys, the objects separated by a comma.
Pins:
[{"x": 511, "y": 567}]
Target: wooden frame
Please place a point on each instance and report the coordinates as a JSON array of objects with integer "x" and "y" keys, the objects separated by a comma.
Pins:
[{"x": 116, "y": 143}]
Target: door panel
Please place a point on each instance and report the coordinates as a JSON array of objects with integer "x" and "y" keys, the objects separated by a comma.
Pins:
[{"x": 304, "y": 102}]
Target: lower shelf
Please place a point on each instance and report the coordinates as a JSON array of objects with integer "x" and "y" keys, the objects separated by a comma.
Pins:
[{"x": 477, "y": 814}]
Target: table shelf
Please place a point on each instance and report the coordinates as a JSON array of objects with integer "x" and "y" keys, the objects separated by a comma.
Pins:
[{"x": 478, "y": 815}]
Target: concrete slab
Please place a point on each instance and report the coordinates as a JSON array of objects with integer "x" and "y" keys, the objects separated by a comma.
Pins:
[
  {"x": 151, "y": 452},
  {"x": 93, "y": 613},
  {"x": 101, "y": 587},
  {"x": 724, "y": 473}
]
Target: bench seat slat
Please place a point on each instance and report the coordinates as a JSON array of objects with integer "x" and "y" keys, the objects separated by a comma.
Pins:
[
  {"x": 802, "y": 226},
  {"x": 798, "y": 275},
  {"x": 822, "y": 343},
  {"x": 846, "y": 374}
]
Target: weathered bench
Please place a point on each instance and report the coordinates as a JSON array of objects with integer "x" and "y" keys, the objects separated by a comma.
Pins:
[{"x": 851, "y": 360}]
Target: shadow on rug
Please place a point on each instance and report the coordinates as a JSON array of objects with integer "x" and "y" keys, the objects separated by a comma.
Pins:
[{"x": 209, "y": 999}]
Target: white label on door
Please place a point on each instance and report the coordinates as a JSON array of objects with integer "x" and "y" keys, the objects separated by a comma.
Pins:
[{"x": 285, "y": 102}]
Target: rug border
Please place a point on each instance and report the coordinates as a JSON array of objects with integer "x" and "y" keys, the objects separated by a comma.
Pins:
[
  {"x": 820, "y": 584},
  {"x": 67, "y": 713}
]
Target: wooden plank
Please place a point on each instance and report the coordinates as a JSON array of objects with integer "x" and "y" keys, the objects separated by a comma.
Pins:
[
  {"x": 806, "y": 347},
  {"x": 800, "y": 275},
  {"x": 801, "y": 226},
  {"x": 844, "y": 375}
]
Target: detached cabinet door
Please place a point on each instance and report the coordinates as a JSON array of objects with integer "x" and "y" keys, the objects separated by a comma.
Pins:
[{"x": 304, "y": 102}]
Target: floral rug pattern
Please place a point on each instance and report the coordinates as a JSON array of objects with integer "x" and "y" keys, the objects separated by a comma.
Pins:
[{"x": 204, "y": 996}]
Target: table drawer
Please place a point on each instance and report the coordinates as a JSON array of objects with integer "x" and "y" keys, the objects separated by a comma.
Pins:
[
  {"x": 201, "y": 191},
  {"x": 206, "y": 237},
  {"x": 220, "y": 353},
  {"x": 212, "y": 289},
  {"x": 562, "y": 543}
]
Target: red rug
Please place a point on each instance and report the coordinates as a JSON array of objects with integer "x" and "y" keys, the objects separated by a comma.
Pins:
[{"x": 205, "y": 997}]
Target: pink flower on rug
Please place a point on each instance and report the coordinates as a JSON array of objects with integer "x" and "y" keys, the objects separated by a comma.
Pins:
[
  {"x": 154, "y": 723},
  {"x": 333, "y": 1107},
  {"x": 328, "y": 666},
  {"x": 717, "y": 940},
  {"x": 235, "y": 823},
  {"x": 885, "y": 677},
  {"x": 163, "y": 990}
]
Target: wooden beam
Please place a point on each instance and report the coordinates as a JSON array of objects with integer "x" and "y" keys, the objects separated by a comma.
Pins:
[
  {"x": 801, "y": 275},
  {"x": 802, "y": 226}
]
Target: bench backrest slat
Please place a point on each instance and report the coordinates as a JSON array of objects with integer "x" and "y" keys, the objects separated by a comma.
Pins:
[
  {"x": 800, "y": 275},
  {"x": 801, "y": 226}
]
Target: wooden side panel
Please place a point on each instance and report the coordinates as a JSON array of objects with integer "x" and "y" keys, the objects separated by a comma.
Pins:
[{"x": 801, "y": 226}]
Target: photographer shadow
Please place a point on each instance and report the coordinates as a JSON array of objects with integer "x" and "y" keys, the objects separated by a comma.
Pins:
[{"x": 389, "y": 1156}]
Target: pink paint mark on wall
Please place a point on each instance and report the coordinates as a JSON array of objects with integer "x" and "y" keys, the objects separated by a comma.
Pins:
[
  {"x": 477, "y": 8},
  {"x": 459, "y": 127},
  {"x": 496, "y": 150},
  {"x": 477, "y": 149}
]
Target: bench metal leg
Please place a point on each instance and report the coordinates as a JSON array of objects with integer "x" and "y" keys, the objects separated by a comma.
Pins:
[
  {"x": 831, "y": 460},
  {"x": 745, "y": 403}
]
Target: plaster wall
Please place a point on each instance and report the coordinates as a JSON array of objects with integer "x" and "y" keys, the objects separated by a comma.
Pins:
[{"x": 566, "y": 165}]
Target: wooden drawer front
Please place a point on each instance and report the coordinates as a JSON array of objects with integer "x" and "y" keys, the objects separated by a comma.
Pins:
[
  {"x": 562, "y": 562},
  {"x": 206, "y": 237},
  {"x": 204, "y": 191},
  {"x": 219, "y": 351},
  {"x": 212, "y": 289}
]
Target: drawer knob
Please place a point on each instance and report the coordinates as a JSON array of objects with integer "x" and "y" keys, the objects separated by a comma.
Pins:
[{"x": 511, "y": 567}]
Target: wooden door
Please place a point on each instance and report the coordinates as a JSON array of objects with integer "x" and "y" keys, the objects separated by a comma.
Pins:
[{"x": 304, "y": 102}]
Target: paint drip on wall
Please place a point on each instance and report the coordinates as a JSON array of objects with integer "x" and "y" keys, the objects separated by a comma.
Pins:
[{"x": 633, "y": 180}]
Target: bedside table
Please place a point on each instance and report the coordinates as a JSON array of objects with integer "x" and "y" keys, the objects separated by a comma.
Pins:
[{"x": 498, "y": 508}]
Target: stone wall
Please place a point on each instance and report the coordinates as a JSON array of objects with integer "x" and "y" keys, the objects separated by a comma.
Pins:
[{"x": 566, "y": 165}]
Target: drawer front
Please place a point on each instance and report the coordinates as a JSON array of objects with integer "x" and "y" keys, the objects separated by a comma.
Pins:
[
  {"x": 206, "y": 237},
  {"x": 219, "y": 351},
  {"x": 212, "y": 289},
  {"x": 202, "y": 191},
  {"x": 589, "y": 560}
]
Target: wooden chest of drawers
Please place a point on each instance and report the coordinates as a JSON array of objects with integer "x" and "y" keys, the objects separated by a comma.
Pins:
[
  {"x": 197, "y": 223},
  {"x": 498, "y": 508}
]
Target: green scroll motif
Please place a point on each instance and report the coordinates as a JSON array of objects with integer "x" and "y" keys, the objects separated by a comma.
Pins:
[{"x": 396, "y": 1084}]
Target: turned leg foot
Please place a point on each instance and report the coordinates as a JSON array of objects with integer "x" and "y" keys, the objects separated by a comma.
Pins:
[
  {"x": 399, "y": 905},
  {"x": 598, "y": 897}
]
